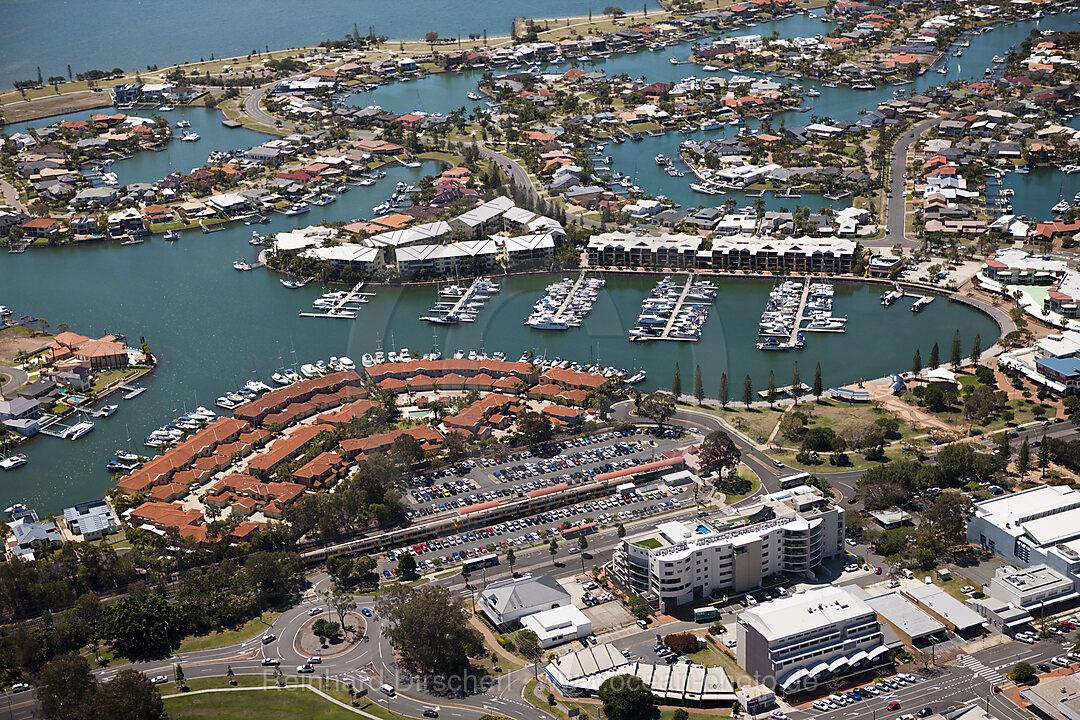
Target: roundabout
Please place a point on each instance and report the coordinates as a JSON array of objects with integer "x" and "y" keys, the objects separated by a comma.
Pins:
[{"x": 307, "y": 644}]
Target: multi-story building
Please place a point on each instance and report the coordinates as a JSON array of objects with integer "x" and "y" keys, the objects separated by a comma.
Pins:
[
  {"x": 796, "y": 643},
  {"x": 791, "y": 532},
  {"x": 1032, "y": 527},
  {"x": 1031, "y": 588}
]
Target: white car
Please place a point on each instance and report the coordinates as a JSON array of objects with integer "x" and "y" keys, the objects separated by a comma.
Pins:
[
  {"x": 967, "y": 589},
  {"x": 314, "y": 660},
  {"x": 271, "y": 661},
  {"x": 19, "y": 687},
  {"x": 157, "y": 680},
  {"x": 778, "y": 715},
  {"x": 314, "y": 611}
]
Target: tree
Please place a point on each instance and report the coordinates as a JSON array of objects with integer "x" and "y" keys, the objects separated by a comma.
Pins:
[
  {"x": 529, "y": 644},
  {"x": 179, "y": 676},
  {"x": 65, "y": 688},
  {"x": 818, "y": 388},
  {"x": 949, "y": 516},
  {"x": 431, "y": 36},
  {"x": 1044, "y": 454},
  {"x": 796, "y": 383},
  {"x": 676, "y": 383},
  {"x": 324, "y": 629},
  {"x": 341, "y": 602},
  {"x": 658, "y": 406},
  {"x": 718, "y": 451},
  {"x": 770, "y": 391},
  {"x": 535, "y": 428},
  {"x": 627, "y": 697},
  {"x": 1022, "y": 672},
  {"x": 747, "y": 391},
  {"x": 407, "y": 449},
  {"x": 916, "y": 363},
  {"x": 553, "y": 547},
  {"x": 976, "y": 350},
  {"x": 583, "y": 545},
  {"x": 934, "y": 359},
  {"x": 1023, "y": 459},
  {"x": 406, "y": 565},
  {"x": 954, "y": 351},
  {"x": 620, "y": 530},
  {"x": 428, "y": 628},
  {"x": 136, "y": 624},
  {"x": 699, "y": 388},
  {"x": 1004, "y": 448},
  {"x": 722, "y": 396}
]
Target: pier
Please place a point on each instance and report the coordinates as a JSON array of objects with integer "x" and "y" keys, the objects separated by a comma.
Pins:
[
  {"x": 344, "y": 307},
  {"x": 785, "y": 390},
  {"x": 666, "y": 334},
  {"x": 565, "y": 305},
  {"x": 131, "y": 392},
  {"x": 463, "y": 301},
  {"x": 800, "y": 314},
  {"x": 463, "y": 309}
]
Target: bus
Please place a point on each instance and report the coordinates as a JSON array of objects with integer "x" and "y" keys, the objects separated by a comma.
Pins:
[
  {"x": 480, "y": 561},
  {"x": 705, "y": 614},
  {"x": 794, "y": 480}
]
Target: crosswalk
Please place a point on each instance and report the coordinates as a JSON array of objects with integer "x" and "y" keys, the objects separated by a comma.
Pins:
[{"x": 979, "y": 669}]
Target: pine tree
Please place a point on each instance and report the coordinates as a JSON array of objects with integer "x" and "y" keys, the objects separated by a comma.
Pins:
[
  {"x": 747, "y": 391},
  {"x": 818, "y": 387},
  {"x": 722, "y": 396},
  {"x": 916, "y": 363},
  {"x": 699, "y": 389},
  {"x": 1044, "y": 455},
  {"x": 796, "y": 383},
  {"x": 935, "y": 360},
  {"x": 976, "y": 349},
  {"x": 676, "y": 383},
  {"x": 954, "y": 351},
  {"x": 770, "y": 396},
  {"x": 1023, "y": 460},
  {"x": 1004, "y": 448}
]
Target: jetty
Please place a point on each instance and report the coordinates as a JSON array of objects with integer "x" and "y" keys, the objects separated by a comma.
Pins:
[
  {"x": 800, "y": 314},
  {"x": 785, "y": 390},
  {"x": 465, "y": 306},
  {"x": 569, "y": 299},
  {"x": 131, "y": 392},
  {"x": 344, "y": 305},
  {"x": 675, "y": 312}
]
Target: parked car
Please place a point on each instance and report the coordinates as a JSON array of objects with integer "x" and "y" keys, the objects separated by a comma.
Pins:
[{"x": 271, "y": 661}]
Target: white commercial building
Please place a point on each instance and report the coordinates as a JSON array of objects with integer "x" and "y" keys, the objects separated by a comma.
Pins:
[
  {"x": 792, "y": 531},
  {"x": 1031, "y": 588},
  {"x": 558, "y": 625},
  {"x": 798, "y": 642},
  {"x": 1032, "y": 527},
  {"x": 507, "y": 601}
]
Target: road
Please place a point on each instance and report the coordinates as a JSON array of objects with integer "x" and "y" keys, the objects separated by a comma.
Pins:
[
  {"x": 254, "y": 110},
  {"x": 16, "y": 378},
  {"x": 894, "y": 224}
]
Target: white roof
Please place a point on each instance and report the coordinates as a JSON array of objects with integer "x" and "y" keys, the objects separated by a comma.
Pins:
[
  {"x": 303, "y": 238},
  {"x": 228, "y": 200},
  {"x": 539, "y": 241},
  {"x": 1014, "y": 510},
  {"x": 803, "y": 612},
  {"x": 558, "y": 621},
  {"x": 946, "y": 606},
  {"x": 901, "y": 614},
  {"x": 409, "y": 236},
  {"x": 347, "y": 253}
]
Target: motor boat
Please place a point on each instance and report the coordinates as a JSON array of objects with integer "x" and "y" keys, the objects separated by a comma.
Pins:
[
  {"x": 242, "y": 265},
  {"x": 105, "y": 411},
  {"x": 297, "y": 209},
  {"x": 12, "y": 462},
  {"x": 189, "y": 137},
  {"x": 77, "y": 430},
  {"x": 171, "y": 235}
]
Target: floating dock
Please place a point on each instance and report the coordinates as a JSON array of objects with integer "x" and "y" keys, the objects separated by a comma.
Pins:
[
  {"x": 346, "y": 306},
  {"x": 675, "y": 311},
  {"x": 131, "y": 392}
]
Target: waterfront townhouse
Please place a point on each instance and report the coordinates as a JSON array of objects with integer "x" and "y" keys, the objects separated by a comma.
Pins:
[
  {"x": 799, "y": 642},
  {"x": 621, "y": 249},
  {"x": 677, "y": 563},
  {"x": 359, "y": 257},
  {"x": 357, "y": 448},
  {"x": 483, "y": 219},
  {"x": 474, "y": 255},
  {"x": 753, "y": 253},
  {"x": 1038, "y": 526},
  {"x": 275, "y": 401},
  {"x": 285, "y": 448}
]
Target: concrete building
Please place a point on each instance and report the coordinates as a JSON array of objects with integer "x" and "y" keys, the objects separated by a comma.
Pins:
[
  {"x": 1055, "y": 698},
  {"x": 92, "y": 520},
  {"x": 792, "y": 531},
  {"x": 507, "y": 601},
  {"x": 1031, "y": 588},
  {"x": 911, "y": 624},
  {"x": 943, "y": 607},
  {"x": 1038, "y": 526},
  {"x": 558, "y": 625},
  {"x": 797, "y": 642}
]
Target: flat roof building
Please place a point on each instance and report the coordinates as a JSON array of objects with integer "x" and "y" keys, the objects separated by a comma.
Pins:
[
  {"x": 797, "y": 642},
  {"x": 558, "y": 625},
  {"x": 942, "y": 606},
  {"x": 790, "y": 532},
  {"x": 910, "y": 623},
  {"x": 1031, "y": 588}
]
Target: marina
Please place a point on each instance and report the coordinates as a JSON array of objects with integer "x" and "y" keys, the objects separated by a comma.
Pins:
[
  {"x": 456, "y": 303},
  {"x": 675, "y": 313},
  {"x": 340, "y": 304},
  {"x": 565, "y": 303}
]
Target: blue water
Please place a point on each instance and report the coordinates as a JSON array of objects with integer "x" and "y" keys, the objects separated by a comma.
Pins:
[{"x": 133, "y": 34}]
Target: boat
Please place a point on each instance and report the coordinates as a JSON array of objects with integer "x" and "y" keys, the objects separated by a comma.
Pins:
[
  {"x": 133, "y": 241},
  {"x": 922, "y": 303},
  {"x": 812, "y": 92},
  {"x": 171, "y": 235},
  {"x": 324, "y": 199},
  {"x": 4, "y": 311},
  {"x": 281, "y": 379},
  {"x": 1061, "y": 206},
  {"x": 189, "y": 137},
  {"x": 999, "y": 59},
  {"x": 12, "y": 462},
  {"x": 346, "y": 363},
  {"x": 105, "y": 411},
  {"x": 367, "y": 360},
  {"x": 366, "y": 182},
  {"x": 637, "y": 377},
  {"x": 473, "y": 96},
  {"x": 863, "y": 86},
  {"x": 15, "y": 509},
  {"x": 548, "y": 322},
  {"x": 256, "y": 238},
  {"x": 297, "y": 209},
  {"x": 771, "y": 343},
  {"x": 704, "y": 189},
  {"x": 77, "y": 430},
  {"x": 309, "y": 371},
  {"x": 165, "y": 108},
  {"x": 1070, "y": 169},
  {"x": 242, "y": 265},
  {"x": 943, "y": 70},
  {"x": 183, "y": 124},
  {"x": 293, "y": 284}
]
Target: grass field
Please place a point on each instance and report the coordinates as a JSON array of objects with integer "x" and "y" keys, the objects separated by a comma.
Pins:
[
  {"x": 284, "y": 704},
  {"x": 248, "y": 630}
]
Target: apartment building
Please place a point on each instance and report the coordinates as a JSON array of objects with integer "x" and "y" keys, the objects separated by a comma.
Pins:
[{"x": 677, "y": 563}]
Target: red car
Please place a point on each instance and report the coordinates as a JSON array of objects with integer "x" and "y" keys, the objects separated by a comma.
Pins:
[
  {"x": 877, "y": 571},
  {"x": 852, "y": 500},
  {"x": 893, "y": 706}
]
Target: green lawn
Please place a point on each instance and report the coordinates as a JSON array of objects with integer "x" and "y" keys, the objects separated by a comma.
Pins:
[
  {"x": 107, "y": 377},
  {"x": 285, "y": 704},
  {"x": 747, "y": 473},
  {"x": 649, "y": 543},
  {"x": 248, "y": 630},
  {"x": 755, "y": 423}
]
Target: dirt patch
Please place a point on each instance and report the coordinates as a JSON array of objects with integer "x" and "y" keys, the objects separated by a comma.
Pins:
[
  {"x": 16, "y": 339},
  {"x": 47, "y": 107}
]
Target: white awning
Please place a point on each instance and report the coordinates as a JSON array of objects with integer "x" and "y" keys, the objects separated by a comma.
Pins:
[
  {"x": 878, "y": 652},
  {"x": 859, "y": 657},
  {"x": 818, "y": 669},
  {"x": 838, "y": 663},
  {"x": 793, "y": 678}
]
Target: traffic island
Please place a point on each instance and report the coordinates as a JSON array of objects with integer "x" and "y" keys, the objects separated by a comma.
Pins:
[{"x": 307, "y": 643}]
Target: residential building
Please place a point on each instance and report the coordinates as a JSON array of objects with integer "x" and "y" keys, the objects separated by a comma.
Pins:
[
  {"x": 92, "y": 520},
  {"x": 621, "y": 249},
  {"x": 505, "y": 602},
  {"x": 790, "y": 532},
  {"x": 803, "y": 640}
]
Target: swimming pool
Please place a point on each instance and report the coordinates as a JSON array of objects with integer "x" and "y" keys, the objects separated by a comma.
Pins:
[{"x": 420, "y": 414}]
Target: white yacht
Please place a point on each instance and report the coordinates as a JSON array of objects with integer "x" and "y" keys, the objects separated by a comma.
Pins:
[
  {"x": 105, "y": 411},
  {"x": 189, "y": 137},
  {"x": 367, "y": 360},
  {"x": 548, "y": 322},
  {"x": 242, "y": 265},
  {"x": 346, "y": 363},
  {"x": 10, "y": 463},
  {"x": 77, "y": 430}
]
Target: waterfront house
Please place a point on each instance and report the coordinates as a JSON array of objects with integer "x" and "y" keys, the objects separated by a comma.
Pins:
[
  {"x": 41, "y": 228},
  {"x": 29, "y": 536},
  {"x": 128, "y": 221},
  {"x": 19, "y": 408},
  {"x": 75, "y": 378},
  {"x": 93, "y": 197},
  {"x": 91, "y": 520}
]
